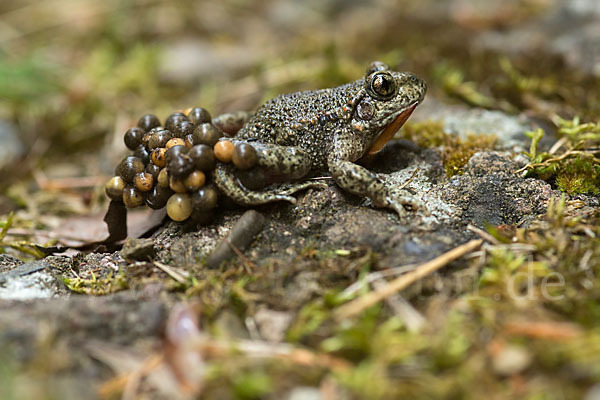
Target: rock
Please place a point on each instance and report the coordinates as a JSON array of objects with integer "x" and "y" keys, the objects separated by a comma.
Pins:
[
  {"x": 511, "y": 360},
  {"x": 272, "y": 324},
  {"x": 304, "y": 393},
  {"x": 12, "y": 147},
  {"x": 138, "y": 250},
  {"x": 463, "y": 121},
  {"x": 26, "y": 281},
  {"x": 490, "y": 192},
  {"x": 593, "y": 393},
  {"x": 242, "y": 234}
]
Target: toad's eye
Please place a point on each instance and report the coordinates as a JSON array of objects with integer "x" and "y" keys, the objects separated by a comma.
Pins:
[{"x": 382, "y": 85}]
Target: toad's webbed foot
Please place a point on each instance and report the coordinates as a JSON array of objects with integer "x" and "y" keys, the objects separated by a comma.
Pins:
[
  {"x": 284, "y": 161},
  {"x": 360, "y": 181}
]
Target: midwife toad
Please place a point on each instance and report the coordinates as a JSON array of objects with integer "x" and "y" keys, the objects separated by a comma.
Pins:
[{"x": 328, "y": 130}]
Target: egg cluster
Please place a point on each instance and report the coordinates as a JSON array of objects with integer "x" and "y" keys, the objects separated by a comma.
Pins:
[{"x": 172, "y": 163}]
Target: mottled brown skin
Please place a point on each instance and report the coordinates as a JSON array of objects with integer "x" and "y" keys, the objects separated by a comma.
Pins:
[{"x": 326, "y": 130}]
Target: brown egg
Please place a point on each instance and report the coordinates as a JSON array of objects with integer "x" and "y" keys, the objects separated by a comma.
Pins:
[
  {"x": 132, "y": 197},
  {"x": 184, "y": 128},
  {"x": 142, "y": 153},
  {"x": 153, "y": 170},
  {"x": 148, "y": 122},
  {"x": 179, "y": 207},
  {"x": 203, "y": 157},
  {"x": 189, "y": 141},
  {"x": 224, "y": 151},
  {"x": 195, "y": 180},
  {"x": 159, "y": 157},
  {"x": 133, "y": 137},
  {"x": 143, "y": 181},
  {"x": 179, "y": 165},
  {"x": 129, "y": 167},
  {"x": 175, "y": 142},
  {"x": 205, "y": 199},
  {"x": 159, "y": 139},
  {"x": 157, "y": 198},
  {"x": 146, "y": 140},
  {"x": 114, "y": 188},
  {"x": 173, "y": 119},
  {"x": 244, "y": 156},
  {"x": 177, "y": 185},
  {"x": 198, "y": 115},
  {"x": 163, "y": 178},
  {"x": 207, "y": 134}
]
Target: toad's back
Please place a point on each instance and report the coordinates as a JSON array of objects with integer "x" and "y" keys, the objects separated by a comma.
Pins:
[{"x": 304, "y": 119}]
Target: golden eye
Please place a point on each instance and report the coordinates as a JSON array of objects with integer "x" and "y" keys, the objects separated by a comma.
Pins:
[{"x": 383, "y": 85}]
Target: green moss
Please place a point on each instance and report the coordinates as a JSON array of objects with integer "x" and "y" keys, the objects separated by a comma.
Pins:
[
  {"x": 251, "y": 385},
  {"x": 458, "y": 152},
  {"x": 574, "y": 166},
  {"x": 95, "y": 286},
  {"x": 452, "y": 79},
  {"x": 426, "y": 134},
  {"x": 580, "y": 175}
]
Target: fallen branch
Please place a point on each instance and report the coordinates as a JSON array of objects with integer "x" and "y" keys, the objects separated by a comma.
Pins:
[{"x": 356, "y": 306}]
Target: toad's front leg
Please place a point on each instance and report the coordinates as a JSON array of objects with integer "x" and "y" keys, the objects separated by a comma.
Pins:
[{"x": 360, "y": 181}]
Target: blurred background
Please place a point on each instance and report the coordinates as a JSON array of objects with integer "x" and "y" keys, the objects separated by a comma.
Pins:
[{"x": 75, "y": 74}]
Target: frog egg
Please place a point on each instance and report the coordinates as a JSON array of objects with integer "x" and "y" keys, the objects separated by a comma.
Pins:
[
  {"x": 142, "y": 153},
  {"x": 231, "y": 123},
  {"x": 203, "y": 157},
  {"x": 163, "y": 178},
  {"x": 179, "y": 207},
  {"x": 195, "y": 180},
  {"x": 224, "y": 151},
  {"x": 207, "y": 134},
  {"x": 244, "y": 156},
  {"x": 177, "y": 185},
  {"x": 146, "y": 140},
  {"x": 148, "y": 122},
  {"x": 159, "y": 157},
  {"x": 153, "y": 170},
  {"x": 176, "y": 151},
  {"x": 199, "y": 115},
  {"x": 189, "y": 141},
  {"x": 184, "y": 128},
  {"x": 175, "y": 142},
  {"x": 173, "y": 119},
  {"x": 114, "y": 188},
  {"x": 159, "y": 139},
  {"x": 129, "y": 167},
  {"x": 205, "y": 199},
  {"x": 143, "y": 181},
  {"x": 157, "y": 198},
  {"x": 252, "y": 179},
  {"x": 132, "y": 197},
  {"x": 133, "y": 137},
  {"x": 179, "y": 165}
]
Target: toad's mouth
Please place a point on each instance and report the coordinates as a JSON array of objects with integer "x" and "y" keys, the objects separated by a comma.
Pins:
[{"x": 389, "y": 131}]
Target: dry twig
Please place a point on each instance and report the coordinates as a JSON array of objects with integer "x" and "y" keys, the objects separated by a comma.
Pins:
[{"x": 356, "y": 306}]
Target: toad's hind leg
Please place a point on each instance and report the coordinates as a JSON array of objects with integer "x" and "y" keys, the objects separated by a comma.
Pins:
[{"x": 286, "y": 161}]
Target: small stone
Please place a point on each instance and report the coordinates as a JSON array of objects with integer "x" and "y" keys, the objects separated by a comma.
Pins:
[
  {"x": 511, "y": 360},
  {"x": 138, "y": 250}
]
